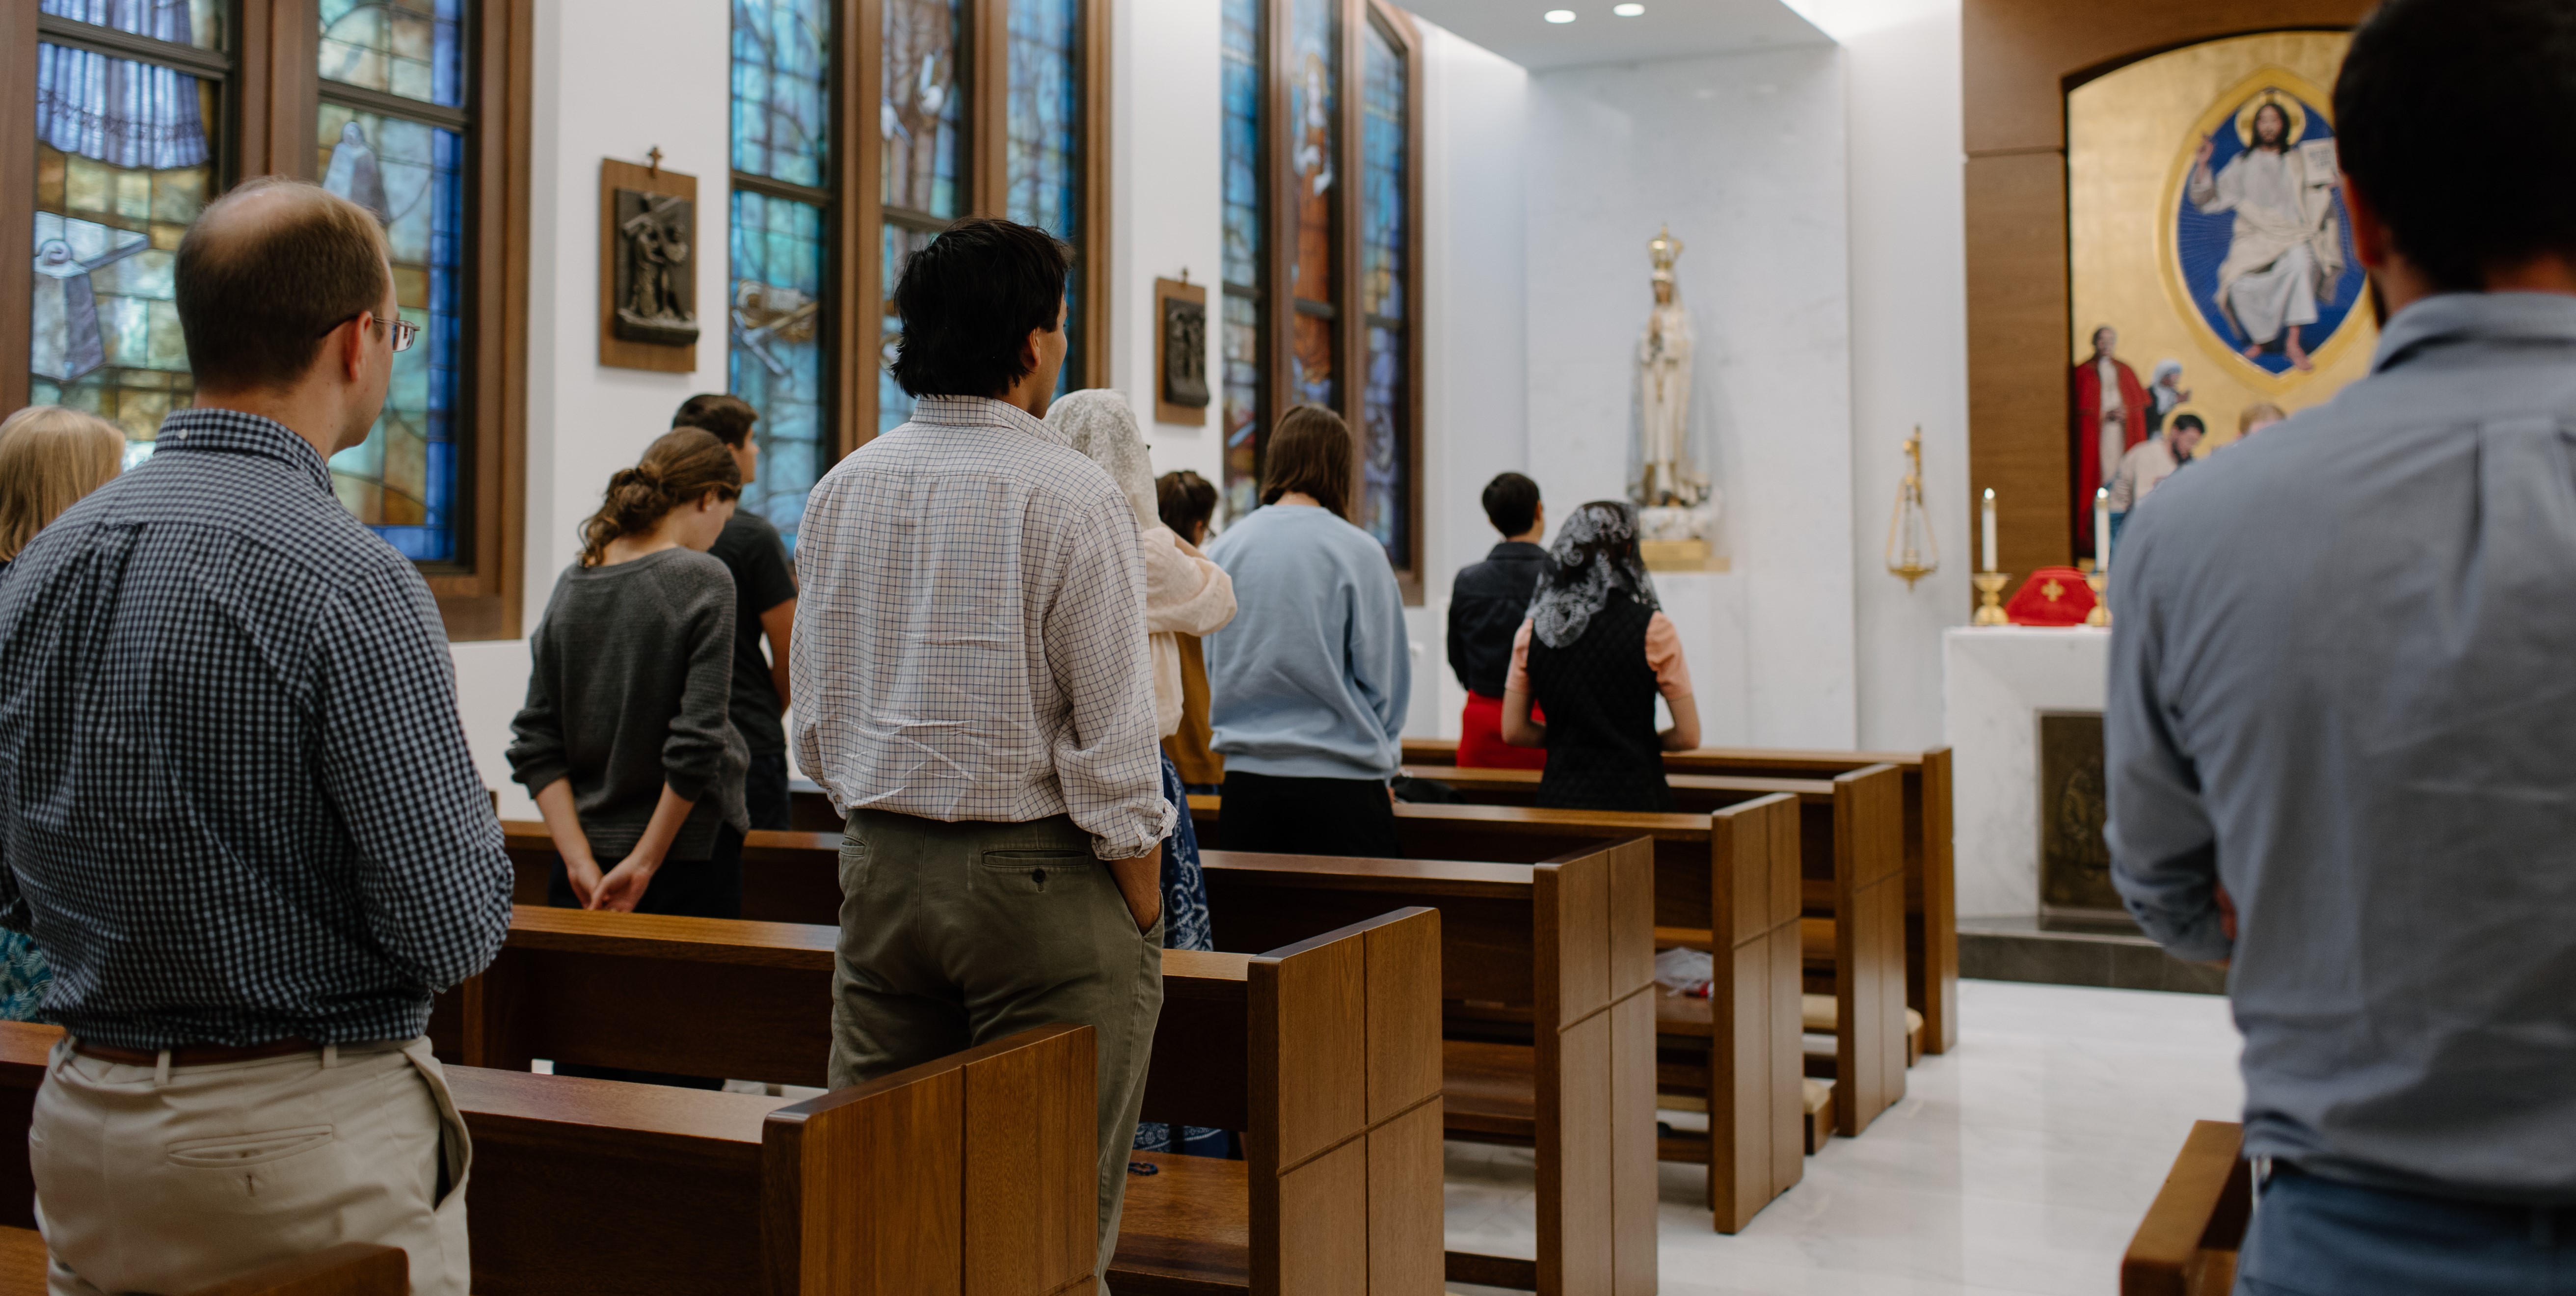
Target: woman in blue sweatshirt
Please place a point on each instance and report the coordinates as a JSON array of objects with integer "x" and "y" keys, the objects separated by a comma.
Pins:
[{"x": 1307, "y": 686}]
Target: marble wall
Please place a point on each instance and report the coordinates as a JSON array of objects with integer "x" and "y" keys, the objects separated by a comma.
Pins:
[
  {"x": 1998, "y": 680},
  {"x": 1743, "y": 155}
]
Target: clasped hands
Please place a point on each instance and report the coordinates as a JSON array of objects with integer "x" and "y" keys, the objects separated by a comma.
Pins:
[{"x": 620, "y": 889}]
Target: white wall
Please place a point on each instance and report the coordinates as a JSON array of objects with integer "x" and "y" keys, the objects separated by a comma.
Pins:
[
  {"x": 1743, "y": 155},
  {"x": 1167, "y": 157},
  {"x": 1909, "y": 344},
  {"x": 1475, "y": 334}
]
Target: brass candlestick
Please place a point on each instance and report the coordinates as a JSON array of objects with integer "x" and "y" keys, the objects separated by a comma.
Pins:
[
  {"x": 2101, "y": 613},
  {"x": 1990, "y": 599}
]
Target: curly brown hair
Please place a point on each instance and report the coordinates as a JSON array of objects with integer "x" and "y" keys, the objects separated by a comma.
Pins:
[{"x": 682, "y": 466}]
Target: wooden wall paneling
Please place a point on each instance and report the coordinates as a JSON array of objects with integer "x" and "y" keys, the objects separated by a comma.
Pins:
[
  {"x": 1934, "y": 921},
  {"x": 1869, "y": 945},
  {"x": 858, "y": 266},
  {"x": 1100, "y": 270},
  {"x": 284, "y": 37},
  {"x": 17, "y": 215},
  {"x": 1031, "y": 1184}
]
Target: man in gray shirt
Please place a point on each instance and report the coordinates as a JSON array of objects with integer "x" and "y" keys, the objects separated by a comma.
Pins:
[{"x": 2342, "y": 724}]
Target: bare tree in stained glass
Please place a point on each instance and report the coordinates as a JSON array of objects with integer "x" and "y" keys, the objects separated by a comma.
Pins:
[
  {"x": 124, "y": 161},
  {"x": 923, "y": 118},
  {"x": 1043, "y": 154},
  {"x": 1240, "y": 339}
]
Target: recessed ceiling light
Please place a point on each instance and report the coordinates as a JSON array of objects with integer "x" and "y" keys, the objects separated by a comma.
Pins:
[
  {"x": 1629, "y": 10},
  {"x": 1560, "y": 15}
]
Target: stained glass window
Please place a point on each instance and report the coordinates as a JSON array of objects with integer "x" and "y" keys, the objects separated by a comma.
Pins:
[
  {"x": 1241, "y": 343},
  {"x": 401, "y": 47},
  {"x": 1385, "y": 458},
  {"x": 407, "y": 165},
  {"x": 1043, "y": 157},
  {"x": 900, "y": 242},
  {"x": 1314, "y": 94},
  {"x": 923, "y": 119},
  {"x": 125, "y": 157},
  {"x": 776, "y": 361},
  {"x": 402, "y": 479},
  {"x": 779, "y": 248},
  {"x": 782, "y": 89}
]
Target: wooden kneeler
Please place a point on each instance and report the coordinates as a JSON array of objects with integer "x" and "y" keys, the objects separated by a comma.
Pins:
[{"x": 2187, "y": 1244}]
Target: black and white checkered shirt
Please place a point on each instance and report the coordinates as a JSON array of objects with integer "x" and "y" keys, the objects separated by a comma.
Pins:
[
  {"x": 235, "y": 800},
  {"x": 970, "y": 635}
]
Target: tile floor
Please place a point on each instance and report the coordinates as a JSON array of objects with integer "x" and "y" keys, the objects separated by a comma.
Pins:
[{"x": 2020, "y": 1162}]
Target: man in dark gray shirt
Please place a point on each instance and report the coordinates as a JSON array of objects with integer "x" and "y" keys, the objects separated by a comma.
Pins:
[{"x": 2342, "y": 727}]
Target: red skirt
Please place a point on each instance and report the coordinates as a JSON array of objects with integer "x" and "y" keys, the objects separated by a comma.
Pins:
[{"x": 1480, "y": 738}]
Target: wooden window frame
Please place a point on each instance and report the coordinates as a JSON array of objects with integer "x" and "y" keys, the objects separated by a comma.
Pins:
[
  {"x": 986, "y": 180},
  {"x": 1277, "y": 305},
  {"x": 274, "y": 96}
]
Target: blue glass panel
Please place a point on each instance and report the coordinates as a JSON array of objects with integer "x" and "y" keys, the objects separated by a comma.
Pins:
[
  {"x": 183, "y": 22},
  {"x": 1044, "y": 154},
  {"x": 782, "y": 89},
  {"x": 1242, "y": 376},
  {"x": 1385, "y": 500},
  {"x": 123, "y": 164},
  {"x": 1243, "y": 142},
  {"x": 893, "y": 405},
  {"x": 775, "y": 360},
  {"x": 402, "y": 479},
  {"x": 923, "y": 118},
  {"x": 402, "y": 47},
  {"x": 1385, "y": 496},
  {"x": 1382, "y": 196}
]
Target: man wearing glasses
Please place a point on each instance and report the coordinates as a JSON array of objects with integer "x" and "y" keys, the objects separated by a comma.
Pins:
[{"x": 236, "y": 807}]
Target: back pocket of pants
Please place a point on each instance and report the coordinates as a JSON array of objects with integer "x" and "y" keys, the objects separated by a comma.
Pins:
[
  {"x": 228, "y": 1150},
  {"x": 1032, "y": 872}
]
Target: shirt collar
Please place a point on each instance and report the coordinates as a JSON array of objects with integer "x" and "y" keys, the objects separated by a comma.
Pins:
[
  {"x": 225, "y": 431},
  {"x": 1516, "y": 549},
  {"x": 982, "y": 411},
  {"x": 2475, "y": 317}
]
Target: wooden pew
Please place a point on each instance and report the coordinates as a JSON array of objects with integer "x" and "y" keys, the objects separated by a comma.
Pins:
[
  {"x": 1574, "y": 931},
  {"x": 1324, "y": 1053},
  {"x": 1863, "y": 873},
  {"x": 349, "y": 1269},
  {"x": 1931, "y": 903},
  {"x": 1703, "y": 793},
  {"x": 2187, "y": 1244},
  {"x": 951, "y": 1174}
]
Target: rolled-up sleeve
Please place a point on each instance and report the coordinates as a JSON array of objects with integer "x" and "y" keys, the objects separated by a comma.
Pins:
[
  {"x": 1108, "y": 756},
  {"x": 2164, "y": 857}
]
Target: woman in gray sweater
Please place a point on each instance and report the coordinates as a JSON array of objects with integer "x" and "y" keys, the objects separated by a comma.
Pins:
[{"x": 624, "y": 739}]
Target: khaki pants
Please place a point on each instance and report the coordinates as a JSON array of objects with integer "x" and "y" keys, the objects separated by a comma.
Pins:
[
  {"x": 166, "y": 1179},
  {"x": 955, "y": 934}
]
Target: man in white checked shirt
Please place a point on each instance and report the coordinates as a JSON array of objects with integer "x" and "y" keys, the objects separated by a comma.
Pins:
[{"x": 974, "y": 692}]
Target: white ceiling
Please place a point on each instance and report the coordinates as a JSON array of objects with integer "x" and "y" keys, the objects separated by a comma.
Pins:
[{"x": 1669, "y": 29}]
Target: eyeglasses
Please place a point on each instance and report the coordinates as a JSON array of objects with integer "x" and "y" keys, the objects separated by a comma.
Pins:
[{"x": 404, "y": 330}]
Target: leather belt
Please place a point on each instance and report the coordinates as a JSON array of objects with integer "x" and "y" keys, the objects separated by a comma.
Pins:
[{"x": 196, "y": 1054}]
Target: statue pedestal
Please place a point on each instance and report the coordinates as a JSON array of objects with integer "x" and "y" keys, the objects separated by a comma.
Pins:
[{"x": 1680, "y": 556}]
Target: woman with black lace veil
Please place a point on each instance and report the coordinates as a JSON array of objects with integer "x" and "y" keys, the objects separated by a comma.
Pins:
[{"x": 1594, "y": 654}]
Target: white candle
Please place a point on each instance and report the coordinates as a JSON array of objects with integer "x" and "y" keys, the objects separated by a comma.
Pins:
[
  {"x": 1990, "y": 529},
  {"x": 2102, "y": 531}
]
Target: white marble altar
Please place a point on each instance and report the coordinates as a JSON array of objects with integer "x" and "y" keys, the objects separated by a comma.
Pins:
[{"x": 1995, "y": 682}]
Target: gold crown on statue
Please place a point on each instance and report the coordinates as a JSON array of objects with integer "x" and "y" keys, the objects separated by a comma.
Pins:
[{"x": 1665, "y": 249}]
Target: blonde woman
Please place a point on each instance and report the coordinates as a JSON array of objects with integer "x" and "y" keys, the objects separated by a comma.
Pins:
[{"x": 49, "y": 458}]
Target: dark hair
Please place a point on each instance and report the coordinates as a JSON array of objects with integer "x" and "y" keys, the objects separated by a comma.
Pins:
[
  {"x": 1511, "y": 503},
  {"x": 258, "y": 290},
  {"x": 683, "y": 465},
  {"x": 1309, "y": 452},
  {"x": 2416, "y": 111},
  {"x": 1184, "y": 500},
  {"x": 2192, "y": 419},
  {"x": 969, "y": 300},
  {"x": 728, "y": 417}
]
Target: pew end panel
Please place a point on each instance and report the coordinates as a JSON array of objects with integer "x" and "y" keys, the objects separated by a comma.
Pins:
[
  {"x": 2188, "y": 1242},
  {"x": 1868, "y": 872},
  {"x": 1931, "y": 903},
  {"x": 973, "y": 1173},
  {"x": 1594, "y": 1037},
  {"x": 1752, "y": 1051}
]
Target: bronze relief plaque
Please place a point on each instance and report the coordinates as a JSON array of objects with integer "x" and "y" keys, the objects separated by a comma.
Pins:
[{"x": 2074, "y": 859}]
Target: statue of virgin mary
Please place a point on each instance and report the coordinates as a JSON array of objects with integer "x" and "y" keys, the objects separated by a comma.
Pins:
[{"x": 1670, "y": 489}]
